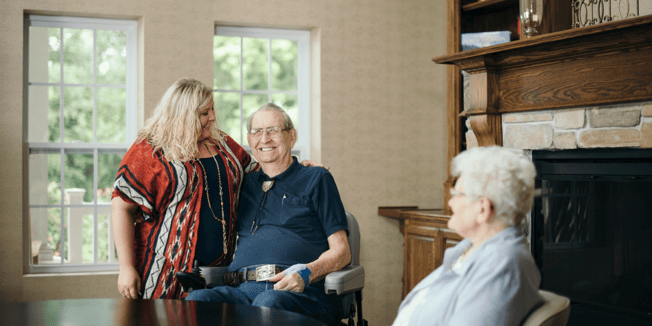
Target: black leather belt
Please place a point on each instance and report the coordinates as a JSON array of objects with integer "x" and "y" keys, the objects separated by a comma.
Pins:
[{"x": 258, "y": 273}]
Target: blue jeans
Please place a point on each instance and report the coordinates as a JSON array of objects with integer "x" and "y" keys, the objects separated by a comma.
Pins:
[{"x": 313, "y": 302}]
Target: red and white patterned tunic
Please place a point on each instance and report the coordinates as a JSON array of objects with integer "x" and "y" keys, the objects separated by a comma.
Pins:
[{"x": 169, "y": 196}]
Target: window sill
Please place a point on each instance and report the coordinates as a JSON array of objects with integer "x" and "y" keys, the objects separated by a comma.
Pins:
[{"x": 65, "y": 274}]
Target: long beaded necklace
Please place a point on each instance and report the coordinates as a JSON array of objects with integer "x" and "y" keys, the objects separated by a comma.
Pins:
[{"x": 219, "y": 177}]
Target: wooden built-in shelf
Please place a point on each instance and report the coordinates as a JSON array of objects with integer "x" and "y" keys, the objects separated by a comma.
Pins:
[
  {"x": 403, "y": 213},
  {"x": 596, "y": 65},
  {"x": 562, "y": 68},
  {"x": 489, "y": 3},
  {"x": 395, "y": 211},
  {"x": 431, "y": 215}
]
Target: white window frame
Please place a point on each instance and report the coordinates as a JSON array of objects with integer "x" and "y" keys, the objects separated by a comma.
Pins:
[
  {"x": 63, "y": 148},
  {"x": 302, "y": 147}
]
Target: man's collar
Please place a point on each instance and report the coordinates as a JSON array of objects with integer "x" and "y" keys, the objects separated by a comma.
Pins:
[{"x": 293, "y": 166}]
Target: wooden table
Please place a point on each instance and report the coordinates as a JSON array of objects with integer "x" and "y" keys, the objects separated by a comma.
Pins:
[{"x": 144, "y": 312}]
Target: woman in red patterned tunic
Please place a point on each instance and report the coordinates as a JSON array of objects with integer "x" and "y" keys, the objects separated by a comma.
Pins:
[{"x": 179, "y": 164}]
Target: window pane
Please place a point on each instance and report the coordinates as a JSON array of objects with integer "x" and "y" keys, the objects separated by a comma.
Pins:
[
  {"x": 285, "y": 65},
  {"x": 43, "y": 119},
  {"x": 44, "y": 179},
  {"x": 45, "y": 224},
  {"x": 290, "y": 104},
  {"x": 78, "y": 114},
  {"x": 256, "y": 63},
  {"x": 87, "y": 238},
  {"x": 111, "y": 57},
  {"x": 226, "y": 66},
  {"x": 78, "y": 173},
  {"x": 107, "y": 168},
  {"x": 77, "y": 56},
  {"x": 44, "y": 45},
  {"x": 105, "y": 245},
  {"x": 111, "y": 115},
  {"x": 227, "y": 106},
  {"x": 251, "y": 103},
  {"x": 88, "y": 66}
]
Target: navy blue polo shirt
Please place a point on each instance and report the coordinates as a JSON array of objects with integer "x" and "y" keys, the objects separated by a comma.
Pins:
[{"x": 291, "y": 223}]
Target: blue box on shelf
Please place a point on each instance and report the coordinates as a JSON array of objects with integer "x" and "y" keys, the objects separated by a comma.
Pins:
[{"x": 472, "y": 41}]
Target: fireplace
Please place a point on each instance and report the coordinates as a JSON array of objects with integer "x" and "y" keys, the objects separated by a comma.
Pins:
[{"x": 592, "y": 232}]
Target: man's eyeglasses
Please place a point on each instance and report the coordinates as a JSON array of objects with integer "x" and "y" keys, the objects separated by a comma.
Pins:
[{"x": 272, "y": 132}]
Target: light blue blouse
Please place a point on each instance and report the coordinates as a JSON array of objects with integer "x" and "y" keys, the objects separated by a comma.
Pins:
[{"x": 497, "y": 284}]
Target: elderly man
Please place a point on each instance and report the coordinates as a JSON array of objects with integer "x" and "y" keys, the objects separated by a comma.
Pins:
[{"x": 291, "y": 224}]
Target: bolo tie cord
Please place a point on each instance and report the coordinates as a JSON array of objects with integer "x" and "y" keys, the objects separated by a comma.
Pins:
[{"x": 267, "y": 185}]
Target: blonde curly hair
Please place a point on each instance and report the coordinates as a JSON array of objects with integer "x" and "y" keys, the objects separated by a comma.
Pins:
[{"x": 174, "y": 126}]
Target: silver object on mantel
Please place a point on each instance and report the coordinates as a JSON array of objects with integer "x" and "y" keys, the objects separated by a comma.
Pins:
[{"x": 594, "y": 12}]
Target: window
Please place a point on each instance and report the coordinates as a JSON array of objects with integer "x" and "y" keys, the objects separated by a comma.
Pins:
[
  {"x": 254, "y": 66},
  {"x": 80, "y": 120}
]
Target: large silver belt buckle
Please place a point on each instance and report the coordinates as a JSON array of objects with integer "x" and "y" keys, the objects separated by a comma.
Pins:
[{"x": 265, "y": 272}]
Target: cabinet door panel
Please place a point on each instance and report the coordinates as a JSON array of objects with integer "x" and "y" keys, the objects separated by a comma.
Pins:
[
  {"x": 424, "y": 251},
  {"x": 421, "y": 253}
]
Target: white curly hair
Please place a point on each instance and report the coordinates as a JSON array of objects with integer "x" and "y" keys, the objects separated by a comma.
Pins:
[{"x": 502, "y": 175}]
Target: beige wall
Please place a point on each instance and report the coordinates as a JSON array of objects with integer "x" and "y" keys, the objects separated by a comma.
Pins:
[{"x": 379, "y": 100}]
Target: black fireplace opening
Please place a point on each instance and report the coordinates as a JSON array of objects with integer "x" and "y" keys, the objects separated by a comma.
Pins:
[{"x": 592, "y": 232}]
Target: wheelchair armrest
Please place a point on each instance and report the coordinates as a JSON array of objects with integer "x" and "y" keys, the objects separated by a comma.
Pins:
[
  {"x": 348, "y": 279},
  {"x": 213, "y": 275}
]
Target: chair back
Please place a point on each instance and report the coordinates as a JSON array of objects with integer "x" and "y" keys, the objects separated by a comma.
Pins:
[
  {"x": 554, "y": 311},
  {"x": 354, "y": 238}
]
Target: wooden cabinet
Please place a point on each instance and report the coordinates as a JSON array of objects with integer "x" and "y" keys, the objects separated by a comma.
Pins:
[{"x": 426, "y": 237}]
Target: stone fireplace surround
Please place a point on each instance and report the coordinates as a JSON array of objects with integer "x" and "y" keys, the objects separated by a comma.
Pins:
[{"x": 625, "y": 125}]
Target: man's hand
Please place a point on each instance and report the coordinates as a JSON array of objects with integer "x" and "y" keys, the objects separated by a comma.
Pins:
[
  {"x": 292, "y": 282},
  {"x": 313, "y": 163},
  {"x": 129, "y": 283}
]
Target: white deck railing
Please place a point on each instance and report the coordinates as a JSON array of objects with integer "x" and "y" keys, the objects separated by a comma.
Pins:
[{"x": 76, "y": 221}]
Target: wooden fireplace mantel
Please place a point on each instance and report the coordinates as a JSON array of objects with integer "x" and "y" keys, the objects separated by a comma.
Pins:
[{"x": 598, "y": 65}]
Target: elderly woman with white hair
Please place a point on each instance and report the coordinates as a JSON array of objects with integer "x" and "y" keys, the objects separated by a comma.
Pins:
[{"x": 490, "y": 277}]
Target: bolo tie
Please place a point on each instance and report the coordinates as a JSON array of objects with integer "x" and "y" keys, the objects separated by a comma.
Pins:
[{"x": 267, "y": 185}]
